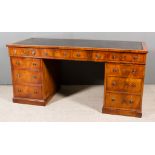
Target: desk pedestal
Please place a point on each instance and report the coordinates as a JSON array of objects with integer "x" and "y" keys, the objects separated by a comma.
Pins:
[
  {"x": 35, "y": 81},
  {"x": 123, "y": 89}
]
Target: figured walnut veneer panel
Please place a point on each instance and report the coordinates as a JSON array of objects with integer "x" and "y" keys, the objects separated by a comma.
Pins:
[
  {"x": 26, "y": 63},
  {"x": 25, "y": 91},
  {"x": 123, "y": 101},
  {"x": 124, "y": 70},
  {"x": 26, "y": 76}
]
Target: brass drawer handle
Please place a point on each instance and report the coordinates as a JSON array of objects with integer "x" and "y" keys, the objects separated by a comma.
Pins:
[
  {"x": 113, "y": 57},
  {"x": 114, "y": 83},
  {"x": 33, "y": 52},
  {"x": 18, "y": 75},
  {"x": 19, "y": 90},
  {"x": 34, "y": 77},
  {"x": 98, "y": 56},
  {"x": 131, "y": 101},
  {"x": 17, "y": 63},
  {"x": 112, "y": 99},
  {"x": 78, "y": 54},
  {"x": 35, "y": 92},
  {"x": 115, "y": 70},
  {"x": 34, "y": 64},
  {"x": 133, "y": 71},
  {"x": 135, "y": 58}
]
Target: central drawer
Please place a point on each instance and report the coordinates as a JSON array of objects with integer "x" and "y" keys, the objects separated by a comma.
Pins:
[
  {"x": 81, "y": 55},
  {"x": 55, "y": 53},
  {"x": 25, "y": 76},
  {"x": 62, "y": 54},
  {"x": 127, "y": 85},
  {"x": 33, "y": 92},
  {"x": 99, "y": 56}
]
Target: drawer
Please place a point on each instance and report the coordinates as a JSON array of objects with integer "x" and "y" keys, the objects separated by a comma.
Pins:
[
  {"x": 62, "y": 54},
  {"x": 25, "y": 52},
  {"x": 58, "y": 54},
  {"x": 26, "y": 63},
  {"x": 32, "y": 92},
  {"x": 122, "y": 101},
  {"x": 127, "y": 85},
  {"x": 126, "y": 57},
  {"x": 80, "y": 55},
  {"x": 124, "y": 70},
  {"x": 47, "y": 52},
  {"x": 99, "y": 56},
  {"x": 24, "y": 76}
]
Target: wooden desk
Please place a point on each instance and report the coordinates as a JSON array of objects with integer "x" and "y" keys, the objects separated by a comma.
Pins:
[{"x": 36, "y": 79}]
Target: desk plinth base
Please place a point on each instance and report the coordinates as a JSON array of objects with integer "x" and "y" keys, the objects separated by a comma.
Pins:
[
  {"x": 112, "y": 111},
  {"x": 37, "y": 102}
]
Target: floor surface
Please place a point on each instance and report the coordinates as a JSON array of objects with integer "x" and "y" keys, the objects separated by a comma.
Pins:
[{"x": 71, "y": 104}]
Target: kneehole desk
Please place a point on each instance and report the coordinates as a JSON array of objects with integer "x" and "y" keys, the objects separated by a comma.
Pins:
[{"x": 36, "y": 76}]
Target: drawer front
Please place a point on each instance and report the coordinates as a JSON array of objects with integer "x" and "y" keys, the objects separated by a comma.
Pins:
[
  {"x": 58, "y": 54},
  {"x": 25, "y": 52},
  {"x": 122, "y": 70},
  {"x": 47, "y": 52},
  {"x": 122, "y": 101},
  {"x": 127, "y": 85},
  {"x": 26, "y": 63},
  {"x": 28, "y": 91},
  {"x": 99, "y": 56},
  {"x": 62, "y": 54},
  {"x": 124, "y": 57},
  {"x": 80, "y": 55},
  {"x": 24, "y": 76}
]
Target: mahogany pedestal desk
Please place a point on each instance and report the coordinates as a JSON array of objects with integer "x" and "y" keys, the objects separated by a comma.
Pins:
[{"x": 35, "y": 70}]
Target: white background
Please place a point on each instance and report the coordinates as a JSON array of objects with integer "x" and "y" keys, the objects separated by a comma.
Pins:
[{"x": 77, "y": 16}]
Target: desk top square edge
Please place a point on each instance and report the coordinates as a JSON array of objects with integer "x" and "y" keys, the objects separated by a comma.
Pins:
[{"x": 104, "y": 45}]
